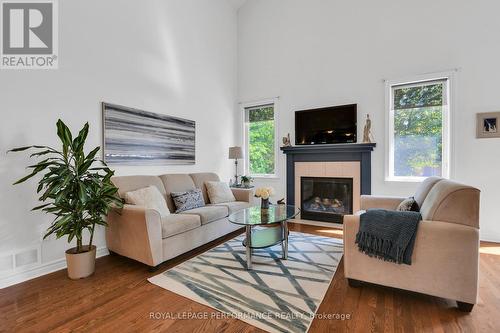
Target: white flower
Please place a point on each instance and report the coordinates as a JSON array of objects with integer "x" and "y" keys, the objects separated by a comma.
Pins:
[
  {"x": 270, "y": 190},
  {"x": 264, "y": 192}
]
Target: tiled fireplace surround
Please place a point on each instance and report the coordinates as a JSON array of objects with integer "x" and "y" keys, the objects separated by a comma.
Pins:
[
  {"x": 335, "y": 161},
  {"x": 333, "y": 170}
]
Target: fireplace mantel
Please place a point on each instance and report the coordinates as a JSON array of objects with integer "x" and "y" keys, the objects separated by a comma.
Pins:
[
  {"x": 334, "y": 148},
  {"x": 349, "y": 152}
]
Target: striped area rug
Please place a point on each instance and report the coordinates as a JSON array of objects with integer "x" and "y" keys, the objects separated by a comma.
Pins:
[{"x": 276, "y": 295}]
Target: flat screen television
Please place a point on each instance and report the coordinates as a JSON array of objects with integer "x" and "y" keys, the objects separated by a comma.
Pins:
[{"x": 334, "y": 124}]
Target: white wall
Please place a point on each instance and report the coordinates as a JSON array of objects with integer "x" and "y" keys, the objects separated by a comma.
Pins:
[
  {"x": 316, "y": 53},
  {"x": 175, "y": 57}
]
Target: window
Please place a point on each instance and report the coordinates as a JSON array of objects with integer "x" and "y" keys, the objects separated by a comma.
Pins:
[
  {"x": 260, "y": 140},
  {"x": 418, "y": 129}
]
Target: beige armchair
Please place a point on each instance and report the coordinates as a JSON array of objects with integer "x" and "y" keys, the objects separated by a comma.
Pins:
[{"x": 446, "y": 253}]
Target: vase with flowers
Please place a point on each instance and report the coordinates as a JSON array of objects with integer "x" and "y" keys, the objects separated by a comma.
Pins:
[{"x": 264, "y": 193}]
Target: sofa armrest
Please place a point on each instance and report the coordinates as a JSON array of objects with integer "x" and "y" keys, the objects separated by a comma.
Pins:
[
  {"x": 243, "y": 194},
  {"x": 135, "y": 232},
  {"x": 384, "y": 202},
  {"x": 444, "y": 261}
]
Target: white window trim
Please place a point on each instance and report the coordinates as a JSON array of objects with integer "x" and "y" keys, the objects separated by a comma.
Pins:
[
  {"x": 447, "y": 123},
  {"x": 246, "y": 105}
]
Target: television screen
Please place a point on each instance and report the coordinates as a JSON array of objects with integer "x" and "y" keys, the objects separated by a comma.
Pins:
[{"x": 335, "y": 124}]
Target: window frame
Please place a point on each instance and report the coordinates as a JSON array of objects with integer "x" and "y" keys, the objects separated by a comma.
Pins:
[
  {"x": 245, "y": 124},
  {"x": 448, "y": 78}
]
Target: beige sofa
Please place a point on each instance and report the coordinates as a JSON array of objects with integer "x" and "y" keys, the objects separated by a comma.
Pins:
[
  {"x": 446, "y": 253},
  {"x": 142, "y": 234}
]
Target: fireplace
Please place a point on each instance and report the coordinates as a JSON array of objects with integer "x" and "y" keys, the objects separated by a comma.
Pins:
[
  {"x": 343, "y": 163},
  {"x": 326, "y": 198}
]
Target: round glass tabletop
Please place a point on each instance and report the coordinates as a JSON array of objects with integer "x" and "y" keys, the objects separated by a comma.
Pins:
[{"x": 257, "y": 216}]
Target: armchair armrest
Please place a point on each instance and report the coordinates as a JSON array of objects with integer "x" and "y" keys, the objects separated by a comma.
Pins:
[
  {"x": 384, "y": 202},
  {"x": 135, "y": 232},
  {"x": 243, "y": 194}
]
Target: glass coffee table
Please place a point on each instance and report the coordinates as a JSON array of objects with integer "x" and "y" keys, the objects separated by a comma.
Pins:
[{"x": 265, "y": 227}]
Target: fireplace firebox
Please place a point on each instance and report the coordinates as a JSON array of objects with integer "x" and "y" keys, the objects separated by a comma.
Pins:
[{"x": 326, "y": 198}]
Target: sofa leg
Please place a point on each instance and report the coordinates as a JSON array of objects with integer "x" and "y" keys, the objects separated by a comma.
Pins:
[
  {"x": 111, "y": 253},
  {"x": 464, "y": 307},
  {"x": 153, "y": 269},
  {"x": 354, "y": 283}
]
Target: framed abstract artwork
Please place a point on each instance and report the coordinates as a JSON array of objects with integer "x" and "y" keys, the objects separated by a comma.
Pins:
[
  {"x": 137, "y": 137},
  {"x": 487, "y": 125}
]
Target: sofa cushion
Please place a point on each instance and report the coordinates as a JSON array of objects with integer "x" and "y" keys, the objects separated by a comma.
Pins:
[
  {"x": 176, "y": 182},
  {"x": 199, "y": 180},
  {"x": 208, "y": 214},
  {"x": 131, "y": 183},
  {"x": 219, "y": 192},
  {"x": 187, "y": 200},
  {"x": 424, "y": 188},
  {"x": 175, "y": 224},
  {"x": 235, "y": 206},
  {"x": 148, "y": 197}
]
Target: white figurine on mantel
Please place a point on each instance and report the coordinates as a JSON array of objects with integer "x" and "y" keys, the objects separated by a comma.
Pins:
[{"x": 367, "y": 132}]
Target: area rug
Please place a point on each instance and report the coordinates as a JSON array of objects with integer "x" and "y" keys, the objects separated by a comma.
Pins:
[{"x": 275, "y": 295}]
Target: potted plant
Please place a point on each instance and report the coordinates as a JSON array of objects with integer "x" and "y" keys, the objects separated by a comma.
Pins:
[
  {"x": 74, "y": 189},
  {"x": 246, "y": 181}
]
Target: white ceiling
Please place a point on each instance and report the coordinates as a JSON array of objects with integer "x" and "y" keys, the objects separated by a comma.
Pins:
[{"x": 237, "y": 3}]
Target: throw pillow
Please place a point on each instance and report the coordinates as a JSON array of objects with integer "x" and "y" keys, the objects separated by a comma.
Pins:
[
  {"x": 187, "y": 200},
  {"x": 219, "y": 192},
  {"x": 148, "y": 197},
  {"x": 408, "y": 204}
]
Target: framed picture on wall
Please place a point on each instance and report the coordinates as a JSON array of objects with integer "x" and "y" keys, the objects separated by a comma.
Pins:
[
  {"x": 488, "y": 125},
  {"x": 137, "y": 137}
]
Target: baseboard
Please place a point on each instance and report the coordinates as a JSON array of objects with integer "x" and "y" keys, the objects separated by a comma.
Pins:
[
  {"x": 42, "y": 269},
  {"x": 490, "y": 240}
]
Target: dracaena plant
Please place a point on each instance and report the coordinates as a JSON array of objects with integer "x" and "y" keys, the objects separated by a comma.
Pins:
[{"x": 75, "y": 187}]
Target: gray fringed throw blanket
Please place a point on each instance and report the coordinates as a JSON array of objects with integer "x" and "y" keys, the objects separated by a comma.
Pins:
[{"x": 388, "y": 235}]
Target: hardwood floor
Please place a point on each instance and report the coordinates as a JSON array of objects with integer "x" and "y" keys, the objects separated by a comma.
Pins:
[{"x": 118, "y": 298}]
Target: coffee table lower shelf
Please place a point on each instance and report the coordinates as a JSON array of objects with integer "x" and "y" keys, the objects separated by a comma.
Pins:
[{"x": 265, "y": 237}]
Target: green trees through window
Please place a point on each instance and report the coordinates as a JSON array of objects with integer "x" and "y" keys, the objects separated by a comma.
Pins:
[
  {"x": 261, "y": 140},
  {"x": 418, "y": 129}
]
